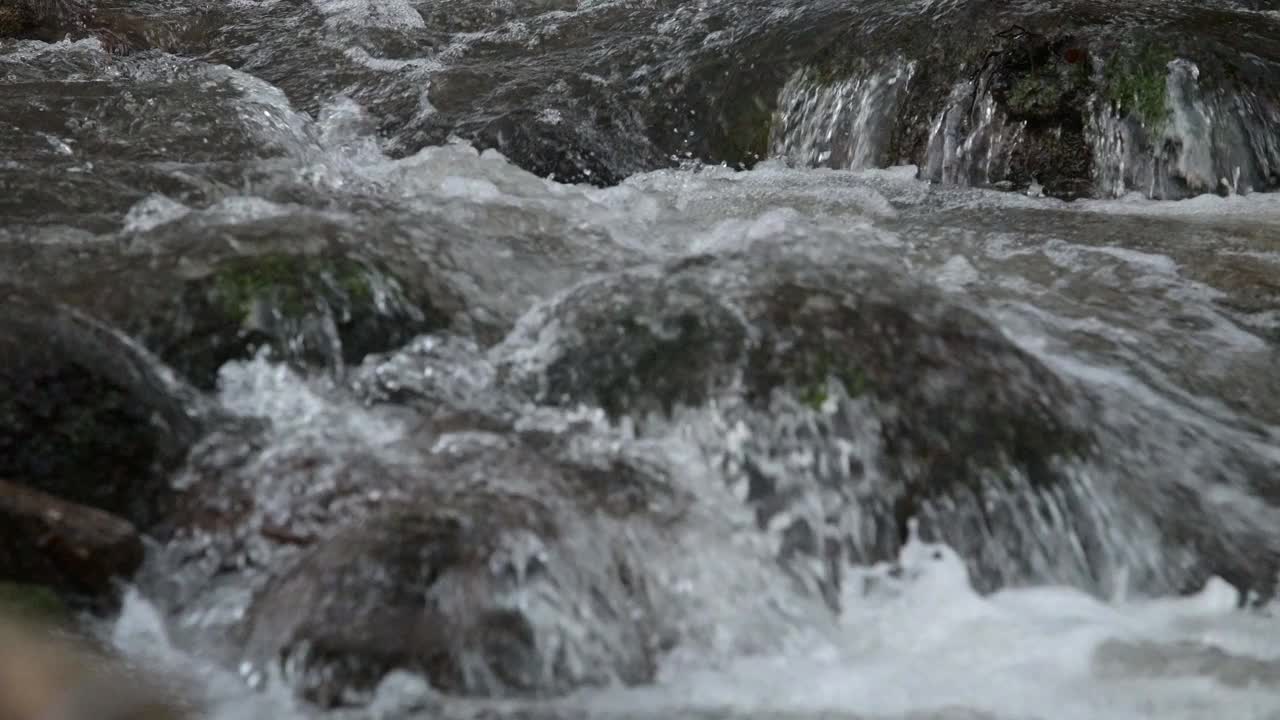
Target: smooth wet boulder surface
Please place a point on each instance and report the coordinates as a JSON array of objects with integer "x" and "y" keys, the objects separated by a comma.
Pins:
[
  {"x": 439, "y": 591},
  {"x": 904, "y": 399},
  {"x": 78, "y": 137}
]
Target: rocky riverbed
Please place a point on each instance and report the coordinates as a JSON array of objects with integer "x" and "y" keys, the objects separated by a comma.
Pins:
[{"x": 636, "y": 358}]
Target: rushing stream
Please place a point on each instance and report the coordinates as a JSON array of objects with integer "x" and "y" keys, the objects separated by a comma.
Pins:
[{"x": 653, "y": 358}]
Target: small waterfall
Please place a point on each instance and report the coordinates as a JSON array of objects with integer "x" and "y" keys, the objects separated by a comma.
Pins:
[
  {"x": 827, "y": 122},
  {"x": 1210, "y": 140},
  {"x": 1079, "y": 120},
  {"x": 971, "y": 140}
]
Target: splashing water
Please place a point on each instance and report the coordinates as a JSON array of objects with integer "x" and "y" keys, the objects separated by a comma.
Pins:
[{"x": 1156, "y": 324}]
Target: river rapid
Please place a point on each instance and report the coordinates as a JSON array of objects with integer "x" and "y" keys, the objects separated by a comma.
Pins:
[{"x": 648, "y": 359}]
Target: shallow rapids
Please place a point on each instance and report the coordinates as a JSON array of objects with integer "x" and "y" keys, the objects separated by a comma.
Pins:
[
  {"x": 555, "y": 360},
  {"x": 1125, "y": 296}
]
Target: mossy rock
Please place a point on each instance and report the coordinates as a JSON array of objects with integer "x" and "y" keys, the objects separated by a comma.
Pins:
[
  {"x": 642, "y": 348},
  {"x": 1134, "y": 81},
  {"x": 315, "y": 310},
  {"x": 964, "y": 397},
  {"x": 287, "y": 282},
  {"x": 197, "y": 303},
  {"x": 886, "y": 395}
]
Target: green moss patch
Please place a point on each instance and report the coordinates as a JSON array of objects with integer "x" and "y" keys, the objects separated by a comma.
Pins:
[
  {"x": 288, "y": 281},
  {"x": 1134, "y": 83}
]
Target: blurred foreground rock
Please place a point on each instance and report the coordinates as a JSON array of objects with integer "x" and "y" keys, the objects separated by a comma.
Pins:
[{"x": 47, "y": 675}]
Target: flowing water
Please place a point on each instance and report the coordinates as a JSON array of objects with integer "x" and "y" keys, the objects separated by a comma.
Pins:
[{"x": 1029, "y": 468}]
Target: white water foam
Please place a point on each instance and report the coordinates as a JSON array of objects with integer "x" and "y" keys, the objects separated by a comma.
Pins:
[
  {"x": 916, "y": 640},
  {"x": 926, "y": 642}
]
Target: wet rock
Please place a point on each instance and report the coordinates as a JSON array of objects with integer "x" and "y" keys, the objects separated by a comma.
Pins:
[
  {"x": 56, "y": 20},
  {"x": 638, "y": 344},
  {"x": 203, "y": 304},
  {"x": 325, "y": 310},
  {"x": 891, "y": 398},
  {"x": 1073, "y": 99},
  {"x": 1073, "y": 96},
  {"x": 684, "y": 333},
  {"x": 471, "y": 557},
  {"x": 49, "y": 20},
  {"x": 77, "y": 550},
  {"x": 86, "y": 414},
  {"x": 482, "y": 596},
  {"x": 1043, "y": 83},
  {"x": 209, "y": 128}
]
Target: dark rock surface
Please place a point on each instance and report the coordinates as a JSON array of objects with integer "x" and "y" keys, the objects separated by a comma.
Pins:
[
  {"x": 48, "y": 20},
  {"x": 486, "y": 564},
  {"x": 74, "y": 549},
  {"x": 1082, "y": 98},
  {"x": 198, "y": 303},
  {"x": 951, "y": 408},
  {"x": 88, "y": 415}
]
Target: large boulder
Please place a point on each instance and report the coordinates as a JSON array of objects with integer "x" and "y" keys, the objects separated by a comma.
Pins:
[
  {"x": 485, "y": 596},
  {"x": 1078, "y": 99},
  {"x": 865, "y": 398},
  {"x": 845, "y": 399},
  {"x": 201, "y": 303},
  {"x": 88, "y": 415},
  {"x": 477, "y": 560}
]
